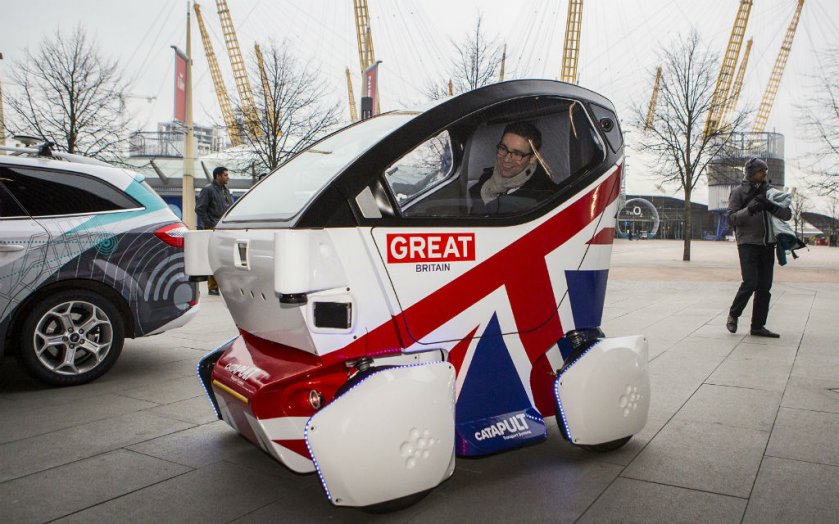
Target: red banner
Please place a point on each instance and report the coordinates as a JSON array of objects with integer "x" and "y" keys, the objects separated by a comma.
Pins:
[
  {"x": 372, "y": 83},
  {"x": 180, "y": 87}
]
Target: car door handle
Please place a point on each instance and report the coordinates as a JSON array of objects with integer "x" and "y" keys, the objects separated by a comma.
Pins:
[{"x": 8, "y": 248}]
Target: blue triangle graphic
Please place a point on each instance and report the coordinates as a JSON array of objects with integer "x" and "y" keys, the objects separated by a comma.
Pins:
[
  {"x": 587, "y": 291},
  {"x": 492, "y": 386}
]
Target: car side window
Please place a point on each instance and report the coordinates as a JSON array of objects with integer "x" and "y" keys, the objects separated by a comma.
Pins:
[
  {"x": 422, "y": 170},
  {"x": 51, "y": 193},
  {"x": 506, "y": 166},
  {"x": 9, "y": 208}
]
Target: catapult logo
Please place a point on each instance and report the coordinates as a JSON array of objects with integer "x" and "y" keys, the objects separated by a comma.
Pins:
[
  {"x": 512, "y": 427},
  {"x": 245, "y": 372},
  {"x": 430, "y": 251}
]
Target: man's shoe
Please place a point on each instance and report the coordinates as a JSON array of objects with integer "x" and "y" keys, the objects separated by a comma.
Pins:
[
  {"x": 731, "y": 324},
  {"x": 213, "y": 292},
  {"x": 763, "y": 332}
]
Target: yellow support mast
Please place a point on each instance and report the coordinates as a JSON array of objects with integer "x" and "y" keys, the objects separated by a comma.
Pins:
[
  {"x": 266, "y": 92},
  {"x": 571, "y": 50},
  {"x": 351, "y": 97},
  {"x": 653, "y": 101},
  {"x": 218, "y": 81},
  {"x": 366, "y": 54},
  {"x": 777, "y": 73},
  {"x": 738, "y": 85},
  {"x": 240, "y": 74},
  {"x": 729, "y": 62}
]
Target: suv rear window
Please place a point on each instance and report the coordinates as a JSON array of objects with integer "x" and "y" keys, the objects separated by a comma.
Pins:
[{"x": 51, "y": 193}]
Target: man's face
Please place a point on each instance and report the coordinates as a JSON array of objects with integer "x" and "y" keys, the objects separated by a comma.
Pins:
[
  {"x": 513, "y": 155},
  {"x": 223, "y": 178},
  {"x": 760, "y": 176}
]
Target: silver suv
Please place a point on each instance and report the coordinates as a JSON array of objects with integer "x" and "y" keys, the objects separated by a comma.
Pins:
[{"x": 89, "y": 255}]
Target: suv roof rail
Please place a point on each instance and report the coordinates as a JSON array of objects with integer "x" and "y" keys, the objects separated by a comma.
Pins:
[{"x": 44, "y": 149}]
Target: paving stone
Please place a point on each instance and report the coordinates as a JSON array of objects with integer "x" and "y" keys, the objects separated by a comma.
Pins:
[
  {"x": 219, "y": 492},
  {"x": 811, "y": 436},
  {"x": 66, "y": 489},
  {"x": 750, "y": 350},
  {"x": 692, "y": 367},
  {"x": 709, "y": 457},
  {"x": 297, "y": 508},
  {"x": 659, "y": 344},
  {"x": 793, "y": 491},
  {"x": 819, "y": 343},
  {"x": 700, "y": 346},
  {"x": 732, "y": 406},
  {"x": 629, "y": 500},
  {"x": 68, "y": 445},
  {"x": 166, "y": 393},
  {"x": 812, "y": 393},
  {"x": 817, "y": 367},
  {"x": 196, "y": 410},
  {"x": 196, "y": 446},
  {"x": 752, "y": 372},
  {"x": 562, "y": 491},
  {"x": 717, "y": 331},
  {"x": 49, "y": 418}
]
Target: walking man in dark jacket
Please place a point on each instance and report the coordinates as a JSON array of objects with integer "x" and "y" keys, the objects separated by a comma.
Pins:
[
  {"x": 213, "y": 201},
  {"x": 748, "y": 213}
]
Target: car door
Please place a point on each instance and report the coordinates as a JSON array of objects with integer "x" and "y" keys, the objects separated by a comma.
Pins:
[
  {"x": 456, "y": 272},
  {"x": 23, "y": 247}
]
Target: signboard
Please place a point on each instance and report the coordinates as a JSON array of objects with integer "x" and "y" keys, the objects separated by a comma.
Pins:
[
  {"x": 180, "y": 86},
  {"x": 369, "y": 91}
]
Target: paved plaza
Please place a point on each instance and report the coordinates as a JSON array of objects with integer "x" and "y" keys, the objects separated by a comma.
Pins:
[{"x": 741, "y": 429}]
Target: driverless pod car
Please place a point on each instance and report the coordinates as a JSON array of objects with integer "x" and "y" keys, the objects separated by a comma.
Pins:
[{"x": 389, "y": 322}]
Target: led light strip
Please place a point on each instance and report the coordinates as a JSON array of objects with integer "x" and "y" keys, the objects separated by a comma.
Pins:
[{"x": 556, "y": 392}]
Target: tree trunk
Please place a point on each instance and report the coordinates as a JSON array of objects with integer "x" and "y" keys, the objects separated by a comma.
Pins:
[{"x": 688, "y": 227}]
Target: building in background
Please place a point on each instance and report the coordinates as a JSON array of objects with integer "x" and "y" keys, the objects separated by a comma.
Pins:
[
  {"x": 726, "y": 172},
  {"x": 168, "y": 141},
  {"x": 158, "y": 155}
]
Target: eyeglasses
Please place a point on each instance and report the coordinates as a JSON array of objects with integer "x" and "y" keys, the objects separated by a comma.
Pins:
[{"x": 502, "y": 151}]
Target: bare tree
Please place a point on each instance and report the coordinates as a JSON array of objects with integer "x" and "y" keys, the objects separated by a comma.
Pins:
[
  {"x": 820, "y": 121},
  {"x": 800, "y": 203},
  {"x": 476, "y": 63},
  {"x": 297, "y": 113},
  {"x": 832, "y": 211},
  {"x": 677, "y": 141},
  {"x": 70, "y": 94}
]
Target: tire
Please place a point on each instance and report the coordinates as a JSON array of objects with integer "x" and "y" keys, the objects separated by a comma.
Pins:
[
  {"x": 389, "y": 506},
  {"x": 71, "y": 338},
  {"x": 606, "y": 446}
]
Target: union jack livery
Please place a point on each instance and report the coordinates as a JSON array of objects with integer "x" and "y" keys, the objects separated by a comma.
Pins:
[{"x": 425, "y": 285}]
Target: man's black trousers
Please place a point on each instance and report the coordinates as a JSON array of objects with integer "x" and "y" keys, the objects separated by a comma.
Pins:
[{"x": 756, "y": 265}]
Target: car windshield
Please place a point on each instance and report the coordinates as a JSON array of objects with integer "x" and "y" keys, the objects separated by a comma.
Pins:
[{"x": 288, "y": 189}]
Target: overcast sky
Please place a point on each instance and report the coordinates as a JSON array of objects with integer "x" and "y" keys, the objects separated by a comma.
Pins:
[{"x": 620, "y": 39}]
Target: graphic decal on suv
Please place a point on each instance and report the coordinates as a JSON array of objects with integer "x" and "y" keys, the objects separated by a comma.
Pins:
[{"x": 146, "y": 272}]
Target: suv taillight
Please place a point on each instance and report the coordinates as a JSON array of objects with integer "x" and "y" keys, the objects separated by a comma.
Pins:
[{"x": 173, "y": 234}]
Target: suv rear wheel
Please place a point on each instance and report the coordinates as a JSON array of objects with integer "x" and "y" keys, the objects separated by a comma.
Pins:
[{"x": 71, "y": 337}]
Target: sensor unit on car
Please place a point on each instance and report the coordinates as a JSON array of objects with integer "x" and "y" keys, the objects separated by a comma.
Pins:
[{"x": 336, "y": 315}]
